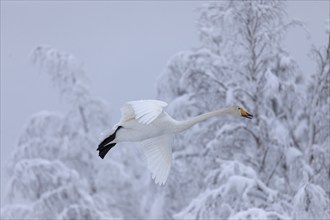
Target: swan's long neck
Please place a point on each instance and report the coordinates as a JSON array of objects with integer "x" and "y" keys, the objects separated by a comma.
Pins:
[{"x": 183, "y": 125}]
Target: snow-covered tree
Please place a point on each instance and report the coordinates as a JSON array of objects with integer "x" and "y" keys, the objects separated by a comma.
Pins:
[
  {"x": 312, "y": 199},
  {"x": 50, "y": 169},
  {"x": 240, "y": 61},
  {"x": 55, "y": 171},
  {"x": 319, "y": 118}
]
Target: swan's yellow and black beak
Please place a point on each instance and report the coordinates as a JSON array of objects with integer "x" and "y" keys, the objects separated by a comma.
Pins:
[{"x": 245, "y": 114}]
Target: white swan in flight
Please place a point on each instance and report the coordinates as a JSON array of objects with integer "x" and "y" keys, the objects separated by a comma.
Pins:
[{"x": 146, "y": 121}]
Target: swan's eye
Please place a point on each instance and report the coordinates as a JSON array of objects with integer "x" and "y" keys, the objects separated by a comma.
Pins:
[{"x": 239, "y": 108}]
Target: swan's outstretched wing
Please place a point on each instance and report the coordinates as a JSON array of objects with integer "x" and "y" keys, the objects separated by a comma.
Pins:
[
  {"x": 145, "y": 111},
  {"x": 158, "y": 152},
  {"x": 127, "y": 113}
]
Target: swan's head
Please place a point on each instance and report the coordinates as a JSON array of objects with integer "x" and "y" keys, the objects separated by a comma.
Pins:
[{"x": 241, "y": 112}]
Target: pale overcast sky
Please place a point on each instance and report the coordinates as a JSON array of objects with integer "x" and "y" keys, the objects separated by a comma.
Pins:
[{"x": 123, "y": 45}]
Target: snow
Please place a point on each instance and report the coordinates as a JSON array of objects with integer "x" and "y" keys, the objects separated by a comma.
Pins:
[
  {"x": 292, "y": 154},
  {"x": 272, "y": 84},
  {"x": 256, "y": 213},
  {"x": 311, "y": 202}
]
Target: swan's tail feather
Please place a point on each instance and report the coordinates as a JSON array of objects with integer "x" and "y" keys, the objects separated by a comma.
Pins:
[
  {"x": 106, "y": 141},
  {"x": 106, "y": 144},
  {"x": 103, "y": 151}
]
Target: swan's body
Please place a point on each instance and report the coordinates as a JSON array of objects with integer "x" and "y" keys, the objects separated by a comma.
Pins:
[
  {"x": 146, "y": 121},
  {"x": 133, "y": 130}
]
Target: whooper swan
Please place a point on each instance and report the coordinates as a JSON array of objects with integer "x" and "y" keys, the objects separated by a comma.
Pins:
[{"x": 146, "y": 121}]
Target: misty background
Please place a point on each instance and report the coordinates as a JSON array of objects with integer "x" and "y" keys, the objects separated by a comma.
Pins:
[{"x": 124, "y": 47}]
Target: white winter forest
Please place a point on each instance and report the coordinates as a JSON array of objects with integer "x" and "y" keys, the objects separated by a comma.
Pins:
[{"x": 275, "y": 166}]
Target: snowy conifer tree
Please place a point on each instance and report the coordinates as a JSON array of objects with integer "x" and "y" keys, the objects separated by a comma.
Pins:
[
  {"x": 55, "y": 171},
  {"x": 227, "y": 167},
  {"x": 312, "y": 199},
  {"x": 51, "y": 167}
]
